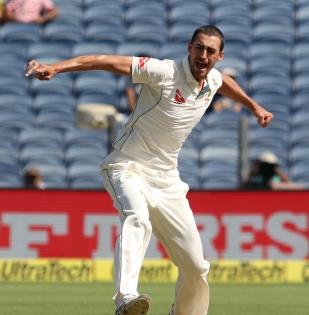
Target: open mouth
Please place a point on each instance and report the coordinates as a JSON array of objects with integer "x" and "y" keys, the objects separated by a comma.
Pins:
[{"x": 201, "y": 65}]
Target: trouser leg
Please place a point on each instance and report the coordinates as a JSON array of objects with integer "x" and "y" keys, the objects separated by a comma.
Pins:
[
  {"x": 126, "y": 192},
  {"x": 174, "y": 225}
]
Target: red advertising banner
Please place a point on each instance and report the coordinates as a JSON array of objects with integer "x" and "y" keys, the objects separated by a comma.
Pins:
[{"x": 83, "y": 224}]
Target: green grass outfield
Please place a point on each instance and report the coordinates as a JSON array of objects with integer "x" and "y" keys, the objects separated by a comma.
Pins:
[{"x": 95, "y": 299}]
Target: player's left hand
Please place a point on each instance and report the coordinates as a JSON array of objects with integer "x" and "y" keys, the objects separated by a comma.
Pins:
[{"x": 263, "y": 116}]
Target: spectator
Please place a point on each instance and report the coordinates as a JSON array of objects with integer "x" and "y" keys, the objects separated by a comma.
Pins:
[
  {"x": 33, "y": 179},
  {"x": 30, "y": 11},
  {"x": 2, "y": 10},
  {"x": 224, "y": 103},
  {"x": 266, "y": 172}
]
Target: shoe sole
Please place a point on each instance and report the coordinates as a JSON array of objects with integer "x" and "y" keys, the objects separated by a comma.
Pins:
[{"x": 138, "y": 306}]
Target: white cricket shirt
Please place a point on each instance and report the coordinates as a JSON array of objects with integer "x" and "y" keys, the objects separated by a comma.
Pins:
[{"x": 168, "y": 108}]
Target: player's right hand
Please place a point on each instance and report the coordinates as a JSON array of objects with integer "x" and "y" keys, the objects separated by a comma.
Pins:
[{"x": 40, "y": 71}]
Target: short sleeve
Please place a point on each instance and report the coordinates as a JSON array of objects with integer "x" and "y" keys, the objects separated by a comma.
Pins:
[{"x": 151, "y": 71}]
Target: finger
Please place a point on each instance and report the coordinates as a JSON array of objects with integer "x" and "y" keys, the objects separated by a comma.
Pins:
[
  {"x": 32, "y": 65},
  {"x": 266, "y": 121}
]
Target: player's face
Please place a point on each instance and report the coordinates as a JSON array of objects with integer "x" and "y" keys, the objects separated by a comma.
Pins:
[{"x": 204, "y": 52}]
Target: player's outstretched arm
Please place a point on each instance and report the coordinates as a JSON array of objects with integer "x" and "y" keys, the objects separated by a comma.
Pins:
[
  {"x": 112, "y": 63},
  {"x": 232, "y": 90}
]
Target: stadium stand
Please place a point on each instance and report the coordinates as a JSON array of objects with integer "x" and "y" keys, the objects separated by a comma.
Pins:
[{"x": 266, "y": 43}]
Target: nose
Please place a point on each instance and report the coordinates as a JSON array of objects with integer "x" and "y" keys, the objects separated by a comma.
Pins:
[{"x": 204, "y": 54}]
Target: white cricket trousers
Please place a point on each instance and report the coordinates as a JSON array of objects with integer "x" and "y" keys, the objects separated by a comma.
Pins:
[{"x": 157, "y": 201}]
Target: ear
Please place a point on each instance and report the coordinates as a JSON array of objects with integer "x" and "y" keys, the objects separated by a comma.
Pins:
[
  {"x": 189, "y": 47},
  {"x": 221, "y": 56}
]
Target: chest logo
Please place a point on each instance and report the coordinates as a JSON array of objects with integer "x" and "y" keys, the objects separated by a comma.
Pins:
[{"x": 179, "y": 98}]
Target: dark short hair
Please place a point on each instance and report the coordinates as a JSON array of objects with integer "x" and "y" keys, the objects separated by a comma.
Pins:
[{"x": 209, "y": 30}]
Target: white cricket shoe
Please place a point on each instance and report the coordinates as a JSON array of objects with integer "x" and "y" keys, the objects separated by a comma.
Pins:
[{"x": 135, "y": 306}]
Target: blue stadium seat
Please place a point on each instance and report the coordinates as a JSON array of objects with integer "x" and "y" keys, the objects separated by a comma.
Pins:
[
  {"x": 63, "y": 33},
  {"x": 273, "y": 14},
  {"x": 132, "y": 3},
  {"x": 92, "y": 182},
  {"x": 44, "y": 50},
  {"x": 287, "y": 4},
  {"x": 222, "y": 184},
  {"x": 224, "y": 154},
  {"x": 137, "y": 49},
  {"x": 9, "y": 168},
  {"x": 300, "y": 101},
  {"x": 95, "y": 82},
  {"x": 218, "y": 138},
  {"x": 236, "y": 32},
  {"x": 300, "y": 50},
  {"x": 105, "y": 33},
  {"x": 240, "y": 65},
  {"x": 56, "y": 120},
  {"x": 77, "y": 3},
  {"x": 16, "y": 50},
  {"x": 84, "y": 172},
  {"x": 13, "y": 85},
  {"x": 182, "y": 32},
  {"x": 264, "y": 83},
  {"x": 16, "y": 121},
  {"x": 20, "y": 33},
  {"x": 86, "y": 48},
  {"x": 40, "y": 137},
  {"x": 187, "y": 13},
  {"x": 85, "y": 137},
  {"x": 147, "y": 33},
  {"x": 268, "y": 99},
  {"x": 151, "y": 11},
  {"x": 9, "y": 152},
  {"x": 10, "y": 181},
  {"x": 219, "y": 174},
  {"x": 269, "y": 32},
  {"x": 171, "y": 50},
  {"x": 86, "y": 154},
  {"x": 110, "y": 14},
  {"x": 301, "y": 66},
  {"x": 45, "y": 102},
  {"x": 189, "y": 157},
  {"x": 216, "y": 3},
  {"x": 299, "y": 154},
  {"x": 98, "y": 98},
  {"x": 300, "y": 119},
  {"x": 270, "y": 66},
  {"x": 12, "y": 68},
  {"x": 301, "y": 83},
  {"x": 269, "y": 49},
  {"x": 232, "y": 13},
  {"x": 15, "y": 102},
  {"x": 89, "y": 3},
  {"x": 221, "y": 120},
  {"x": 235, "y": 49},
  {"x": 8, "y": 138},
  {"x": 60, "y": 84},
  {"x": 70, "y": 14},
  {"x": 299, "y": 172},
  {"x": 40, "y": 154}
]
